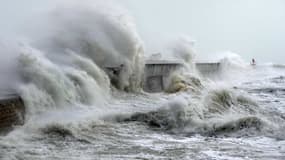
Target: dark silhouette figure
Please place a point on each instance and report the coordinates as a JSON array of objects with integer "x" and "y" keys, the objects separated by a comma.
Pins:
[{"x": 253, "y": 62}]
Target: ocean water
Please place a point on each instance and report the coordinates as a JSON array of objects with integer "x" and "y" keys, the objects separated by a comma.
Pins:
[
  {"x": 242, "y": 120},
  {"x": 74, "y": 110}
]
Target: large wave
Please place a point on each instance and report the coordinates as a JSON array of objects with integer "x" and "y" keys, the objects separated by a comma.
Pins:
[
  {"x": 220, "y": 112},
  {"x": 48, "y": 84},
  {"x": 60, "y": 69},
  {"x": 104, "y": 34},
  {"x": 67, "y": 66}
]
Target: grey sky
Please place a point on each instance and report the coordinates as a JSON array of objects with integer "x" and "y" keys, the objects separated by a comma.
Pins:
[{"x": 251, "y": 28}]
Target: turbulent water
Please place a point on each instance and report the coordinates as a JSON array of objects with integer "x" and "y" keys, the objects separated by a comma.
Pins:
[{"x": 75, "y": 110}]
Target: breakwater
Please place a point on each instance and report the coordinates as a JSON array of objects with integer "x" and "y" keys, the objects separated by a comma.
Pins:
[{"x": 12, "y": 112}]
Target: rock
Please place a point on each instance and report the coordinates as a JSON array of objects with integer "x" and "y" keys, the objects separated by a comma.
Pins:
[{"x": 12, "y": 113}]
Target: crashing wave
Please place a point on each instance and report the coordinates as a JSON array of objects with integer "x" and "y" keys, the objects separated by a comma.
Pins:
[
  {"x": 57, "y": 130},
  {"x": 213, "y": 117},
  {"x": 48, "y": 84},
  {"x": 65, "y": 63},
  {"x": 232, "y": 60},
  {"x": 183, "y": 82},
  {"x": 108, "y": 37}
]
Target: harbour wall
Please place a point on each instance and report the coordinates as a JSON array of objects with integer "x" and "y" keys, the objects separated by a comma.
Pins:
[
  {"x": 12, "y": 112},
  {"x": 156, "y": 73},
  {"x": 12, "y": 108}
]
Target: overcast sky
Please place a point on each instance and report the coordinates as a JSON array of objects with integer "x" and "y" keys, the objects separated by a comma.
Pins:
[{"x": 251, "y": 28}]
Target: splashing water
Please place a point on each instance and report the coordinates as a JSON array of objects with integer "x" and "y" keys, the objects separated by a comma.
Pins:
[{"x": 74, "y": 111}]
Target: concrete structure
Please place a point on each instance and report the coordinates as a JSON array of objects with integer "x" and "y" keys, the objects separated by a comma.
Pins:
[
  {"x": 12, "y": 112},
  {"x": 12, "y": 109},
  {"x": 156, "y": 73},
  {"x": 208, "y": 69}
]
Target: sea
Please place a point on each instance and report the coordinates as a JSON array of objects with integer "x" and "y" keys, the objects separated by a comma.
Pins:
[{"x": 76, "y": 110}]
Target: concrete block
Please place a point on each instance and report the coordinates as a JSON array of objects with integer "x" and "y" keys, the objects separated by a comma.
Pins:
[{"x": 12, "y": 112}]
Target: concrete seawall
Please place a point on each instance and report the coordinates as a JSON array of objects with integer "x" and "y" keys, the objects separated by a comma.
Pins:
[
  {"x": 208, "y": 69},
  {"x": 12, "y": 112},
  {"x": 12, "y": 109},
  {"x": 156, "y": 73}
]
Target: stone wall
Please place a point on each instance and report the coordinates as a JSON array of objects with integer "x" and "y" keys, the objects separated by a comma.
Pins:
[{"x": 12, "y": 113}]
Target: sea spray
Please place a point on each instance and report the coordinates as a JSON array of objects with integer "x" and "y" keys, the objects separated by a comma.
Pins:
[
  {"x": 186, "y": 77},
  {"x": 104, "y": 34},
  {"x": 66, "y": 93},
  {"x": 221, "y": 112},
  {"x": 230, "y": 60},
  {"x": 47, "y": 84},
  {"x": 171, "y": 116},
  {"x": 232, "y": 66},
  {"x": 62, "y": 69},
  {"x": 183, "y": 49},
  {"x": 179, "y": 81},
  {"x": 64, "y": 64}
]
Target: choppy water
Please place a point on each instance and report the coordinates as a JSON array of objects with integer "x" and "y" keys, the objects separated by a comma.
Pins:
[
  {"x": 163, "y": 138},
  {"x": 74, "y": 112}
]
